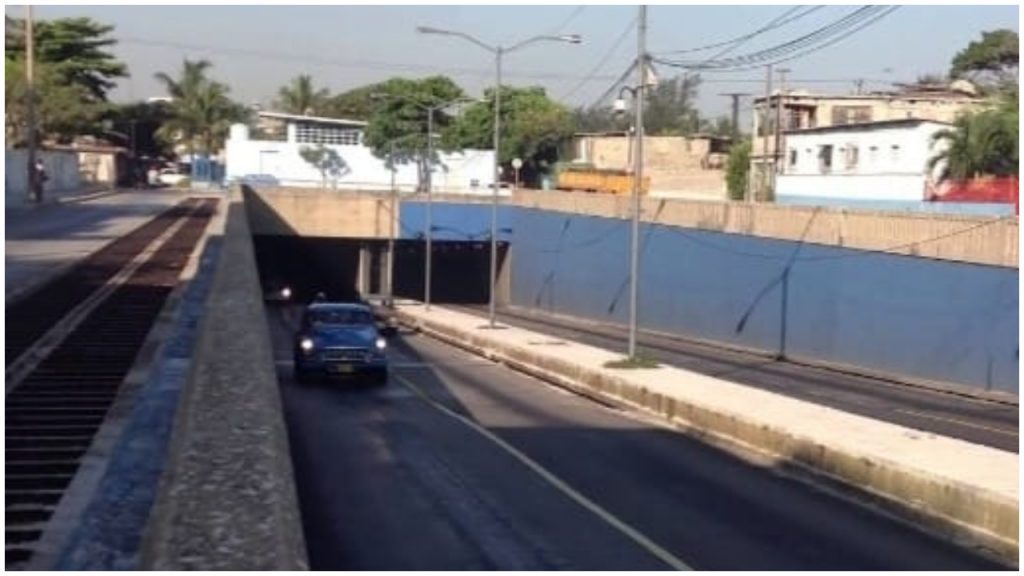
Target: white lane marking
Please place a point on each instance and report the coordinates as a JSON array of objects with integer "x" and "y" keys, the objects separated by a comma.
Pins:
[
  {"x": 959, "y": 422},
  {"x": 624, "y": 528}
]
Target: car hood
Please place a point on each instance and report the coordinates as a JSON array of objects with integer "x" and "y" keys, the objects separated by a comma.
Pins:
[{"x": 345, "y": 337}]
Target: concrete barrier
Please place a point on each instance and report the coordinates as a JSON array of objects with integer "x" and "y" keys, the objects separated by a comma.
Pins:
[
  {"x": 876, "y": 465},
  {"x": 227, "y": 499}
]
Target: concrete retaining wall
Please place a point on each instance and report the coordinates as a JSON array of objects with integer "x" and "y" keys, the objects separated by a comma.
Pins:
[
  {"x": 948, "y": 507},
  {"x": 227, "y": 499},
  {"x": 911, "y": 318}
]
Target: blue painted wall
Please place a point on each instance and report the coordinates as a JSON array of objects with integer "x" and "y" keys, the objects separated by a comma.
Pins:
[{"x": 912, "y": 316}]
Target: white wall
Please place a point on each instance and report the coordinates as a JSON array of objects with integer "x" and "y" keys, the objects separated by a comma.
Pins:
[
  {"x": 891, "y": 164},
  {"x": 281, "y": 160},
  {"x": 61, "y": 169}
]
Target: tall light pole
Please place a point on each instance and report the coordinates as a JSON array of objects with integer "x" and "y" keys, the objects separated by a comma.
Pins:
[
  {"x": 391, "y": 230},
  {"x": 431, "y": 109},
  {"x": 498, "y": 52}
]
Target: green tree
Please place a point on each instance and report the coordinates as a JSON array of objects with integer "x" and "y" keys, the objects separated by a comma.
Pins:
[
  {"x": 62, "y": 112},
  {"x": 737, "y": 170},
  {"x": 77, "y": 49},
  {"x": 670, "y": 109},
  {"x": 397, "y": 129},
  {"x": 356, "y": 104},
  {"x": 997, "y": 54},
  {"x": 532, "y": 128},
  {"x": 301, "y": 97},
  {"x": 326, "y": 160},
  {"x": 137, "y": 124},
  {"x": 598, "y": 119}
]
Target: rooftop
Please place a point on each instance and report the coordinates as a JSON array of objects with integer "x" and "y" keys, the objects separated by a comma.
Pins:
[
  {"x": 312, "y": 119},
  {"x": 898, "y": 123}
]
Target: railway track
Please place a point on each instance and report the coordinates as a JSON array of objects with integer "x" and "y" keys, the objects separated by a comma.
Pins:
[{"x": 55, "y": 411}]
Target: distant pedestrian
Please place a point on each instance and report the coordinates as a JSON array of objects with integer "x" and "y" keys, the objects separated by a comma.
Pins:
[{"x": 38, "y": 180}]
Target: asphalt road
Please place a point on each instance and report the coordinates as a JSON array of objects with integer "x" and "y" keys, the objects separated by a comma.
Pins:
[
  {"x": 978, "y": 421},
  {"x": 462, "y": 464}
]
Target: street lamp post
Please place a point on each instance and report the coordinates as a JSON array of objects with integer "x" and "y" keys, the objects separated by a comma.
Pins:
[
  {"x": 428, "y": 264},
  {"x": 499, "y": 52}
]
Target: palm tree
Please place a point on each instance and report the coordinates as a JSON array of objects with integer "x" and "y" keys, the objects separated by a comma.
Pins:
[
  {"x": 300, "y": 97},
  {"x": 978, "y": 144},
  {"x": 201, "y": 111}
]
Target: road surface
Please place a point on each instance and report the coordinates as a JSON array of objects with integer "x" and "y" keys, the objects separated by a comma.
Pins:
[{"x": 459, "y": 463}]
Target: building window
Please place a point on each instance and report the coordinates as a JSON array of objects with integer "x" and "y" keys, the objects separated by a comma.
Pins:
[
  {"x": 825, "y": 158},
  {"x": 850, "y": 115},
  {"x": 317, "y": 134},
  {"x": 792, "y": 157},
  {"x": 852, "y": 156}
]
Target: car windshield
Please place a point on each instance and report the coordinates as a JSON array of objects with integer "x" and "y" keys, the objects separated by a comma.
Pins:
[{"x": 339, "y": 317}]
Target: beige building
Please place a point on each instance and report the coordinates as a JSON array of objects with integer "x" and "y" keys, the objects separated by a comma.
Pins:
[
  {"x": 691, "y": 166},
  {"x": 803, "y": 110}
]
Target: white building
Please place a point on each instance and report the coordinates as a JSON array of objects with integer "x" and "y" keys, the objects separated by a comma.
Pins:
[
  {"x": 878, "y": 164},
  {"x": 274, "y": 157}
]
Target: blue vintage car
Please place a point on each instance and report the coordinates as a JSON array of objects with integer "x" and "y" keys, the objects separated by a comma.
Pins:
[{"x": 340, "y": 340}]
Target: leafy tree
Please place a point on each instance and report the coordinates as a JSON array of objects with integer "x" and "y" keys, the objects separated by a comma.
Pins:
[
  {"x": 721, "y": 126},
  {"x": 76, "y": 50},
  {"x": 533, "y": 127},
  {"x": 670, "y": 109},
  {"x": 597, "y": 119},
  {"x": 997, "y": 53},
  {"x": 326, "y": 160},
  {"x": 397, "y": 129},
  {"x": 356, "y": 104},
  {"x": 139, "y": 122},
  {"x": 737, "y": 170},
  {"x": 62, "y": 112},
  {"x": 300, "y": 97}
]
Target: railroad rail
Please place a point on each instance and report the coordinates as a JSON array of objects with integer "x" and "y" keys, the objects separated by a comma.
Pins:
[{"x": 54, "y": 413}]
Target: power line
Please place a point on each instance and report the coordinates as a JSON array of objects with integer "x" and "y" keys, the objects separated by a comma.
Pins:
[
  {"x": 558, "y": 29},
  {"x": 810, "y": 42},
  {"x": 777, "y": 23},
  {"x": 602, "y": 62}
]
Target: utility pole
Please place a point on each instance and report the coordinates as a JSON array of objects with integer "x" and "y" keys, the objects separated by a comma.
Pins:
[
  {"x": 638, "y": 175},
  {"x": 492, "y": 303},
  {"x": 777, "y": 156},
  {"x": 735, "y": 112},
  {"x": 429, "y": 228},
  {"x": 764, "y": 151},
  {"x": 35, "y": 188}
]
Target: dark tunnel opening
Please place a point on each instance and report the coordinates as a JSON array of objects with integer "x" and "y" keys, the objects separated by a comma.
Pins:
[{"x": 309, "y": 265}]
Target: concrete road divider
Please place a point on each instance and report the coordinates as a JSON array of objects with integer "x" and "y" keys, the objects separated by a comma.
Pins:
[{"x": 963, "y": 492}]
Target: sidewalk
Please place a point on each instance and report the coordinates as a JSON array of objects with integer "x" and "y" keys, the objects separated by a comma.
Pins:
[
  {"x": 958, "y": 489},
  {"x": 40, "y": 242}
]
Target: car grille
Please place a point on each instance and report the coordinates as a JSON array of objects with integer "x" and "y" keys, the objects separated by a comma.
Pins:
[{"x": 346, "y": 355}]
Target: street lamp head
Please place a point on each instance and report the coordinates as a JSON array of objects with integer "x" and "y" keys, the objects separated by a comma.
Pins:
[
  {"x": 620, "y": 106},
  {"x": 430, "y": 30},
  {"x": 571, "y": 38}
]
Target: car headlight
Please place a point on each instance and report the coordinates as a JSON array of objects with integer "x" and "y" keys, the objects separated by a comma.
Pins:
[
  {"x": 286, "y": 293},
  {"x": 381, "y": 343},
  {"x": 306, "y": 344}
]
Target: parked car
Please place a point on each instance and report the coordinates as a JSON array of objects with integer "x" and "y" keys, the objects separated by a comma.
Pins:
[
  {"x": 383, "y": 313},
  {"x": 171, "y": 177},
  {"x": 340, "y": 340}
]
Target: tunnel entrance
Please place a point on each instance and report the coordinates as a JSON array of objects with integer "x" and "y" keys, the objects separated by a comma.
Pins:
[{"x": 338, "y": 267}]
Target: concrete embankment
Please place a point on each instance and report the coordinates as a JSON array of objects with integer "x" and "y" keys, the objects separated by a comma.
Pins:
[{"x": 960, "y": 491}]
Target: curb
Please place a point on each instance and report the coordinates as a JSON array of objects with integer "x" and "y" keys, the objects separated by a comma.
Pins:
[{"x": 963, "y": 514}]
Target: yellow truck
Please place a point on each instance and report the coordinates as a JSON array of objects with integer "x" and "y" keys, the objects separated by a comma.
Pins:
[{"x": 606, "y": 181}]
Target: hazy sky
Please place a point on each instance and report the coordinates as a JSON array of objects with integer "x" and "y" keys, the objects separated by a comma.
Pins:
[{"x": 257, "y": 49}]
